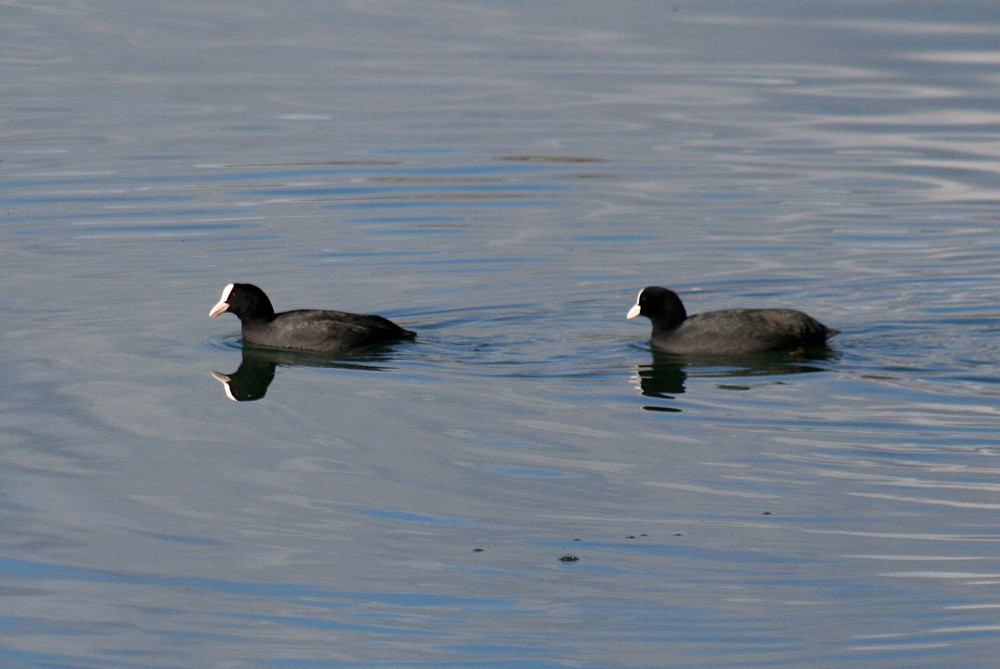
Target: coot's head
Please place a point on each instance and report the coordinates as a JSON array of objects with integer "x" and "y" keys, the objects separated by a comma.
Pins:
[
  {"x": 244, "y": 300},
  {"x": 659, "y": 305}
]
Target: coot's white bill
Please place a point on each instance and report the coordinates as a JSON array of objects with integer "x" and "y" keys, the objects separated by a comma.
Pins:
[{"x": 222, "y": 306}]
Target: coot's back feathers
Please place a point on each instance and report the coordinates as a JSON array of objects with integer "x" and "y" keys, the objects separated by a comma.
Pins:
[
  {"x": 303, "y": 329},
  {"x": 733, "y": 331},
  {"x": 315, "y": 330}
]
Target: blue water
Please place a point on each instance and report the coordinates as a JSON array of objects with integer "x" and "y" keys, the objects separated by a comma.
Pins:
[{"x": 502, "y": 178}]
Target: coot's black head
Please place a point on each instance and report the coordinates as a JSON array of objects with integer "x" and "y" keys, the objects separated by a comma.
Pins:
[
  {"x": 659, "y": 305},
  {"x": 244, "y": 300}
]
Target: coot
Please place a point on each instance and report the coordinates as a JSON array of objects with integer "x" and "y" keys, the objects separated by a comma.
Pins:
[
  {"x": 728, "y": 332},
  {"x": 303, "y": 329}
]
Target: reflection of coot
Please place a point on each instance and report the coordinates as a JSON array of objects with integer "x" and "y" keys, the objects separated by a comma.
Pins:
[
  {"x": 667, "y": 374},
  {"x": 729, "y": 332},
  {"x": 251, "y": 380},
  {"x": 256, "y": 371},
  {"x": 664, "y": 377},
  {"x": 303, "y": 329}
]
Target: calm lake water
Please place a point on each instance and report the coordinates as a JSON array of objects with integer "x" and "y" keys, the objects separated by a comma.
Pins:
[{"x": 502, "y": 178}]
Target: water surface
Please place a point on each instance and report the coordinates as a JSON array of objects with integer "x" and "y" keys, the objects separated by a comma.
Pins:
[{"x": 502, "y": 179}]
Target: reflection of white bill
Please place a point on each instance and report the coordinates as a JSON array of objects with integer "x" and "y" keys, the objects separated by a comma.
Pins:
[{"x": 224, "y": 380}]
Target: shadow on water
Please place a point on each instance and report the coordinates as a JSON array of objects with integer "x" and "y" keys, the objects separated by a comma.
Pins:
[
  {"x": 667, "y": 374},
  {"x": 253, "y": 377}
]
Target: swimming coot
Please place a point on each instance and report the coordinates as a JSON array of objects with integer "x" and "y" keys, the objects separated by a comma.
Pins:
[
  {"x": 728, "y": 332},
  {"x": 302, "y": 329}
]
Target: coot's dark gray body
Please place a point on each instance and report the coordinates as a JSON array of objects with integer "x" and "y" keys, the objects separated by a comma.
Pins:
[
  {"x": 303, "y": 329},
  {"x": 729, "y": 332}
]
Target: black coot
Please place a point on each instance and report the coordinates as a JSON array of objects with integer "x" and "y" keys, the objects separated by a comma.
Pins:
[
  {"x": 302, "y": 329},
  {"x": 728, "y": 332}
]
